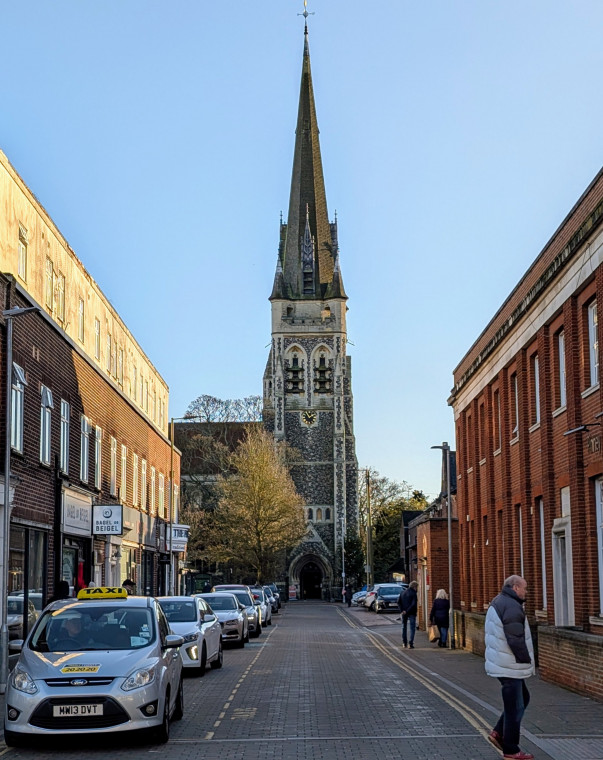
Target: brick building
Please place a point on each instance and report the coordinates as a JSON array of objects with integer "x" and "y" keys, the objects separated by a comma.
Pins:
[
  {"x": 308, "y": 379},
  {"x": 89, "y": 418},
  {"x": 527, "y": 400}
]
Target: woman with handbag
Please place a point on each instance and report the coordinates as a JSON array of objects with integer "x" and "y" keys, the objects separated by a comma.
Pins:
[{"x": 439, "y": 615}]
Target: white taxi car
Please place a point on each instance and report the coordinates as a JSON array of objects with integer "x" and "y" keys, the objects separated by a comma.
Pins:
[
  {"x": 105, "y": 662},
  {"x": 193, "y": 619}
]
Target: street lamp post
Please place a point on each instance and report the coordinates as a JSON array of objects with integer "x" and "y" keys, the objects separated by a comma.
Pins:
[
  {"x": 446, "y": 449},
  {"x": 369, "y": 532},
  {"x": 343, "y": 557},
  {"x": 9, "y": 315}
]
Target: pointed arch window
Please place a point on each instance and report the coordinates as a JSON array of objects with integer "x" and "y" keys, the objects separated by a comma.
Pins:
[
  {"x": 322, "y": 375},
  {"x": 310, "y": 514},
  {"x": 294, "y": 374},
  {"x": 319, "y": 514},
  {"x": 328, "y": 513}
]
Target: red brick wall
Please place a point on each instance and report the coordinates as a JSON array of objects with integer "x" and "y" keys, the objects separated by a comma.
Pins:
[{"x": 562, "y": 660}]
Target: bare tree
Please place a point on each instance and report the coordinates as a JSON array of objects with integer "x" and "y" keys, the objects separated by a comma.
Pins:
[
  {"x": 207, "y": 408},
  {"x": 259, "y": 513}
]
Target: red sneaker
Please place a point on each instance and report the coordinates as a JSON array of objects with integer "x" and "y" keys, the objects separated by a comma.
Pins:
[
  {"x": 496, "y": 739},
  {"x": 519, "y": 756}
]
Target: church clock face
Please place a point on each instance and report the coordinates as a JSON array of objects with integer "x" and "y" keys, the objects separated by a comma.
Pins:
[{"x": 308, "y": 418}]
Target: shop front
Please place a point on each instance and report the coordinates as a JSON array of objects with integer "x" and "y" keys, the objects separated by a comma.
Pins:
[{"x": 76, "y": 549}]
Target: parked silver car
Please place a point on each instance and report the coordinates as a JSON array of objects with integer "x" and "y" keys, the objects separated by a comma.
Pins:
[
  {"x": 252, "y": 609},
  {"x": 271, "y": 599},
  {"x": 193, "y": 619},
  {"x": 265, "y": 606},
  {"x": 104, "y": 663},
  {"x": 231, "y": 614}
]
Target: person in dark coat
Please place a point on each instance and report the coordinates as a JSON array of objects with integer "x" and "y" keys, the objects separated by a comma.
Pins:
[
  {"x": 407, "y": 601},
  {"x": 440, "y": 615},
  {"x": 348, "y": 595}
]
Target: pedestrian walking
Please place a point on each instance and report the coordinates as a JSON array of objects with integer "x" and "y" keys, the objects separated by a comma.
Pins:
[
  {"x": 440, "y": 615},
  {"x": 407, "y": 601},
  {"x": 510, "y": 658},
  {"x": 348, "y": 595}
]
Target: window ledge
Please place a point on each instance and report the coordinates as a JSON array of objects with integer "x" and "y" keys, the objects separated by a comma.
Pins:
[
  {"x": 596, "y": 620},
  {"x": 496, "y": 453},
  {"x": 541, "y": 614},
  {"x": 469, "y": 471},
  {"x": 513, "y": 441},
  {"x": 559, "y": 411},
  {"x": 590, "y": 390},
  {"x": 482, "y": 462},
  {"x": 534, "y": 427}
]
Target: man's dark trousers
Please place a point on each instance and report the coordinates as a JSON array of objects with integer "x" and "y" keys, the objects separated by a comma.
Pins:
[
  {"x": 408, "y": 620},
  {"x": 516, "y": 698}
]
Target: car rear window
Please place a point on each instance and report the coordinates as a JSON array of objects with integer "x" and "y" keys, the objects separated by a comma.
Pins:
[
  {"x": 244, "y": 598},
  {"x": 221, "y": 602},
  {"x": 389, "y": 589},
  {"x": 184, "y": 611}
]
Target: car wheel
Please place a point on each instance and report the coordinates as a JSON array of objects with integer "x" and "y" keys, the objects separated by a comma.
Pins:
[
  {"x": 14, "y": 739},
  {"x": 217, "y": 663},
  {"x": 257, "y": 631},
  {"x": 161, "y": 734},
  {"x": 179, "y": 706},
  {"x": 246, "y": 639},
  {"x": 269, "y": 621},
  {"x": 242, "y": 641},
  {"x": 203, "y": 661},
  {"x": 372, "y": 607}
]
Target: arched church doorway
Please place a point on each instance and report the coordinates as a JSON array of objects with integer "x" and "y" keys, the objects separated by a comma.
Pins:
[{"x": 310, "y": 581}]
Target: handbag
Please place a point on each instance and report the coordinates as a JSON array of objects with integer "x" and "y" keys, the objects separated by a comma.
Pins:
[{"x": 434, "y": 633}]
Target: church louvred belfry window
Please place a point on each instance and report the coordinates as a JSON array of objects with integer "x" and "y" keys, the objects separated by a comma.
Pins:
[
  {"x": 322, "y": 375},
  {"x": 294, "y": 374}
]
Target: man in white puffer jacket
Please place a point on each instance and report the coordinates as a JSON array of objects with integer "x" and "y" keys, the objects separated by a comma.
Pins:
[{"x": 510, "y": 658}]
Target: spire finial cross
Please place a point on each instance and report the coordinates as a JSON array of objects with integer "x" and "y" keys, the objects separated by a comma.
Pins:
[{"x": 305, "y": 14}]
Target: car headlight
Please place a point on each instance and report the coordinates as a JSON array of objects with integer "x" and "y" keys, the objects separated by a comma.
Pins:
[
  {"x": 22, "y": 681},
  {"x": 251, "y": 616},
  {"x": 190, "y": 637},
  {"x": 139, "y": 678}
]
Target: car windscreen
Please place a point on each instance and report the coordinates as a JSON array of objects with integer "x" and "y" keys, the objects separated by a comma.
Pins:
[
  {"x": 243, "y": 597},
  {"x": 177, "y": 611},
  {"x": 88, "y": 628},
  {"x": 14, "y": 605},
  {"x": 221, "y": 602}
]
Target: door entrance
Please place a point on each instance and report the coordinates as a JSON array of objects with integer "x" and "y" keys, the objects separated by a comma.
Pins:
[{"x": 310, "y": 581}]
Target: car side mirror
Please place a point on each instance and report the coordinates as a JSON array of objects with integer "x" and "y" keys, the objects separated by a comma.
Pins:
[
  {"x": 172, "y": 641},
  {"x": 208, "y": 617},
  {"x": 16, "y": 645}
]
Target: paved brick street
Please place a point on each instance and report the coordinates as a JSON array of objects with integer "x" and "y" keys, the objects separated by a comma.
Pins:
[{"x": 328, "y": 682}]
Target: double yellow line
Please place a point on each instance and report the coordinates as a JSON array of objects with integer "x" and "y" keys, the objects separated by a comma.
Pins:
[{"x": 472, "y": 717}]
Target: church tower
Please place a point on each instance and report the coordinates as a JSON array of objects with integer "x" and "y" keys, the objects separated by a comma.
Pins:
[{"x": 307, "y": 382}]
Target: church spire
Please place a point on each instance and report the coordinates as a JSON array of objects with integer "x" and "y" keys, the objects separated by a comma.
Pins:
[{"x": 308, "y": 217}]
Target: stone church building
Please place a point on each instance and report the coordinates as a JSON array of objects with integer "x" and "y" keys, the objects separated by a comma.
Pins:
[{"x": 308, "y": 380}]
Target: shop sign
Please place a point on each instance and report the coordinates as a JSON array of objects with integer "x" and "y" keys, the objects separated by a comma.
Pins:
[
  {"x": 77, "y": 514},
  {"x": 107, "y": 519},
  {"x": 179, "y": 537},
  {"x": 292, "y": 592}
]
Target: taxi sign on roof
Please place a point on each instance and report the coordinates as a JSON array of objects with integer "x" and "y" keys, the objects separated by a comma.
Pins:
[{"x": 103, "y": 592}]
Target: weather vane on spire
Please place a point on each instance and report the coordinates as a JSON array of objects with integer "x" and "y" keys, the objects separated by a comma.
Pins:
[{"x": 305, "y": 14}]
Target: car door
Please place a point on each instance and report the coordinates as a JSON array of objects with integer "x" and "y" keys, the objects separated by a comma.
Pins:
[
  {"x": 170, "y": 658},
  {"x": 211, "y": 628}
]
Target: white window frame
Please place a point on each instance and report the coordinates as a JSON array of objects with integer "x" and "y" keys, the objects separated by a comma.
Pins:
[
  {"x": 561, "y": 369},
  {"x": 134, "y": 382},
  {"x": 143, "y": 485},
  {"x": 113, "y": 475},
  {"x": 134, "y": 480},
  {"x": 124, "y": 470},
  {"x": 97, "y": 339},
  {"x": 515, "y": 391},
  {"x": 161, "y": 494},
  {"x": 536, "y": 381},
  {"x": 17, "y": 398},
  {"x": 61, "y": 297},
  {"x": 84, "y": 449},
  {"x": 120, "y": 367},
  {"x": 108, "y": 357},
  {"x": 176, "y": 507},
  {"x": 22, "y": 264},
  {"x": 49, "y": 283},
  {"x": 599, "y": 508},
  {"x": 593, "y": 343},
  {"x": 65, "y": 421},
  {"x": 520, "y": 528},
  {"x": 98, "y": 453},
  {"x": 152, "y": 509},
  {"x": 80, "y": 320},
  {"x": 46, "y": 407},
  {"x": 542, "y": 552}
]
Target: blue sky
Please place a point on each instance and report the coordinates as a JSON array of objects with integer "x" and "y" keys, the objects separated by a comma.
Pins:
[{"x": 456, "y": 135}]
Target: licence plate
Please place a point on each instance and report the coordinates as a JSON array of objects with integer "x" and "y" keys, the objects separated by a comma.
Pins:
[{"x": 69, "y": 711}]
